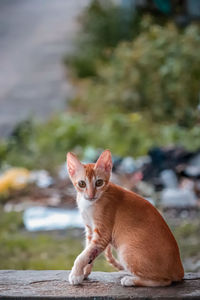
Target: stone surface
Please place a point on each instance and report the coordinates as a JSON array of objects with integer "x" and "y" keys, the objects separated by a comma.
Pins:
[
  {"x": 34, "y": 37},
  {"x": 100, "y": 285}
]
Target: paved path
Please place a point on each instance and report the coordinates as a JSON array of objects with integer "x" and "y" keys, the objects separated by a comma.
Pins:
[{"x": 34, "y": 36}]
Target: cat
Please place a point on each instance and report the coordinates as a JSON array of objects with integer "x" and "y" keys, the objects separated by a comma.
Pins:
[{"x": 118, "y": 218}]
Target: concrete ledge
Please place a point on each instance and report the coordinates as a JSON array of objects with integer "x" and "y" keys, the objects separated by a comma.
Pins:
[{"x": 100, "y": 285}]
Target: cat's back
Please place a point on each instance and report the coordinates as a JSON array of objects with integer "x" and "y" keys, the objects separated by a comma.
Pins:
[
  {"x": 130, "y": 204},
  {"x": 137, "y": 219},
  {"x": 127, "y": 200}
]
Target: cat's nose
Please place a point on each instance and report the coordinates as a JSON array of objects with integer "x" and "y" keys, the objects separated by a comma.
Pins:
[{"x": 90, "y": 194}]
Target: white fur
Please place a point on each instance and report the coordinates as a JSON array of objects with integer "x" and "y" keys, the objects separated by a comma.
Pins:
[
  {"x": 75, "y": 280},
  {"x": 86, "y": 210},
  {"x": 83, "y": 204},
  {"x": 127, "y": 281}
]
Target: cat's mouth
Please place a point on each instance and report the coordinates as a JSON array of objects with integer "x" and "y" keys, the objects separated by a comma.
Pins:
[{"x": 91, "y": 199}]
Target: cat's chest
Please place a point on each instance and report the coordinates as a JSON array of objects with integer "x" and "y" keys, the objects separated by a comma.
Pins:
[{"x": 86, "y": 210}]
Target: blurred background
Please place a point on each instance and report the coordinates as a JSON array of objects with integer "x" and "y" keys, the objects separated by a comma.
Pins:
[{"x": 84, "y": 76}]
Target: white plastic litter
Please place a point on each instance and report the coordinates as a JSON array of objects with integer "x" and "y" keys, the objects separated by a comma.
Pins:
[
  {"x": 127, "y": 165},
  {"x": 169, "y": 178},
  {"x": 174, "y": 197},
  {"x": 47, "y": 218},
  {"x": 41, "y": 178}
]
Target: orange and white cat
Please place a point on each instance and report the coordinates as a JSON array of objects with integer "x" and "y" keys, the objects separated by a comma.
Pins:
[{"x": 116, "y": 217}]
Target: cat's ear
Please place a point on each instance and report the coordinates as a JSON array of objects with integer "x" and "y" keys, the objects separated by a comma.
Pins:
[
  {"x": 104, "y": 161},
  {"x": 73, "y": 164}
]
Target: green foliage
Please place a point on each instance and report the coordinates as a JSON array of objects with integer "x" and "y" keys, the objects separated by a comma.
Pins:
[
  {"x": 157, "y": 74},
  {"x": 103, "y": 25},
  {"x": 123, "y": 133},
  {"x": 146, "y": 94},
  {"x": 45, "y": 145}
]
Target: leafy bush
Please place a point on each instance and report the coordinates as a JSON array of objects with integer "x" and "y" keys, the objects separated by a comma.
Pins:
[
  {"x": 103, "y": 25},
  {"x": 124, "y": 134},
  {"x": 157, "y": 74},
  {"x": 44, "y": 145}
]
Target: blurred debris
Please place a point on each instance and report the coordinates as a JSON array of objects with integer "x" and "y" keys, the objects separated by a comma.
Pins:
[
  {"x": 192, "y": 264},
  {"x": 176, "y": 197},
  {"x": 41, "y": 178},
  {"x": 197, "y": 188},
  {"x": 14, "y": 178},
  {"x": 169, "y": 178},
  {"x": 145, "y": 189},
  {"x": 116, "y": 160},
  {"x": 142, "y": 160},
  {"x": 91, "y": 154},
  {"x": 19, "y": 178},
  {"x": 46, "y": 218},
  {"x": 27, "y": 202},
  {"x": 62, "y": 172},
  {"x": 127, "y": 165},
  {"x": 152, "y": 201},
  {"x": 193, "y": 167},
  {"x": 166, "y": 158}
]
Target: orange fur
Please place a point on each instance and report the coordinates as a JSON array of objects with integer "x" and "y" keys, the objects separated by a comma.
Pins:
[
  {"x": 144, "y": 243},
  {"x": 97, "y": 231}
]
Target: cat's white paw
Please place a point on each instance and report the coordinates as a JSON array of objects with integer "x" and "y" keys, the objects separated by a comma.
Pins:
[
  {"x": 75, "y": 280},
  {"x": 127, "y": 281}
]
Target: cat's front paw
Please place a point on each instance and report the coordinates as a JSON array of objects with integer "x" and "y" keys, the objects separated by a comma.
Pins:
[{"x": 74, "y": 279}]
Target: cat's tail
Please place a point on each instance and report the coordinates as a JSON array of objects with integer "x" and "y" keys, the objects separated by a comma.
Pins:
[{"x": 110, "y": 258}]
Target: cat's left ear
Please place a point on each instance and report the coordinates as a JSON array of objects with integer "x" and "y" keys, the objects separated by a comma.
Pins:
[{"x": 104, "y": 161}]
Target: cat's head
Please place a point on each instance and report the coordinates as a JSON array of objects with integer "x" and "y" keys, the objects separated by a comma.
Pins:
[{"x": 90, "y": 180}]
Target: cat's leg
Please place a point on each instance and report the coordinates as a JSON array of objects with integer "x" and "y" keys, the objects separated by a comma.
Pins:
[
  {"x": 88, "y": 236},
  {"x": 131, "y": 279},
  {"x": 139, "y": 281},
  {"x": 96, "y": 246}
]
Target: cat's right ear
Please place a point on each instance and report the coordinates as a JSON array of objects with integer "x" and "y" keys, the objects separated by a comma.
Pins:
[{"x": 73, "y": 164}]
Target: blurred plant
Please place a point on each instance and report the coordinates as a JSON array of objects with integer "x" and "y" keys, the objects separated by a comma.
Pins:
[
  {"x": 157, "y": 74},
  {"x": 45, "y": 145},
  {"x": 103, "y": 25},
  {"x": 123, "y": 133}
]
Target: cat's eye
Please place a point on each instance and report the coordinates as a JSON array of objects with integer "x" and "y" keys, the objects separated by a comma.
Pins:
[
  {"x": 99, "y": 182},
  {"x": 82, "y": 184}
]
